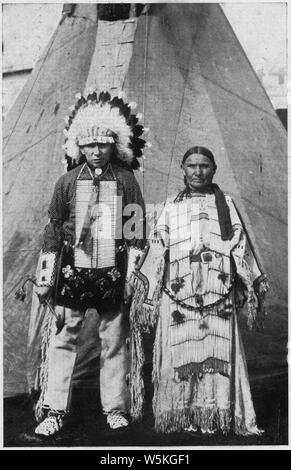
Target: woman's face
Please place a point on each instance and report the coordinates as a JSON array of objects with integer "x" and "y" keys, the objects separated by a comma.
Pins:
[
  {"x": 199, "y": 171},
  {"x": 97, "y": 155}
]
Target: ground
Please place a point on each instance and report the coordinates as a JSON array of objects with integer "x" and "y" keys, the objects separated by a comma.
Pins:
[{"x": 87, "y": 426}]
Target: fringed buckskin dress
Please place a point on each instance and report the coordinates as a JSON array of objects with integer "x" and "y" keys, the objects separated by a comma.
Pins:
[{"x": 189, "y": 283}]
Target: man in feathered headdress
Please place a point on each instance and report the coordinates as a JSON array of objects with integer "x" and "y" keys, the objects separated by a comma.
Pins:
[{"x": 84, "y": 254}]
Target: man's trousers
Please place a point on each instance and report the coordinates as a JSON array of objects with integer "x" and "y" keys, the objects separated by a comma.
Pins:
[{"x": 114, "y": 361}]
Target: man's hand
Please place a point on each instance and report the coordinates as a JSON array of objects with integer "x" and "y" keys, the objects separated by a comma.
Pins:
[
  {"x": 128, "y": 292},
  {"x": 43, "y": 293}
]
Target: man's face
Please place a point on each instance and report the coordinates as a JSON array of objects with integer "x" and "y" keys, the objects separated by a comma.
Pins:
[
  {"x": 199, "y": 171},
  {"x": 97, "y": 155}
]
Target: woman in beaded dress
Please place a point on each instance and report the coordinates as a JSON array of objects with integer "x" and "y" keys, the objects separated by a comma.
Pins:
[{"x": 197, "y": 270}]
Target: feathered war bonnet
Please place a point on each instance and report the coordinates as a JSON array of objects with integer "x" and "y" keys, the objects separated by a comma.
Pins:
[{"x": 102, "y": 119}]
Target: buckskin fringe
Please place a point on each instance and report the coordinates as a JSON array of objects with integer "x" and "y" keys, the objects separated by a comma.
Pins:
[
  {"x": 252, "y": 309},
  {"x": 137, "y": 390},
  {"x": 39, "y": 407},
  {"x": 140, "y": 312},
  {"x": 140, "y": 322},
  {"x": 156, "y": 366},
  {"x": 208, "y": 419},
  {"x": 143, "y": 316}
]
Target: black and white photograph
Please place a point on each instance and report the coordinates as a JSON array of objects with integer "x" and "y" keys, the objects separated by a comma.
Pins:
[{"x": 145, "y": 226}]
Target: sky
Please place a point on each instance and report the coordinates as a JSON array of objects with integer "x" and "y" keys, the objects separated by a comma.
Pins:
[{"x": 260, "y": 28}]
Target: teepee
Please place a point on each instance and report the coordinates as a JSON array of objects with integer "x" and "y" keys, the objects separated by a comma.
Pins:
[{"x": 195, "y": 86}]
